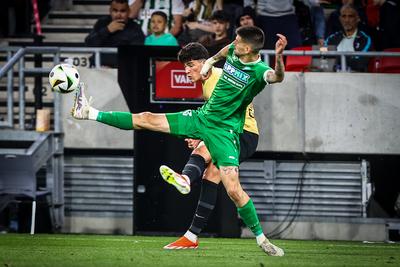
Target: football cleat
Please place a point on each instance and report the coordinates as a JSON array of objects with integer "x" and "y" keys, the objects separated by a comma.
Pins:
[
  {"x": 182, "y": 243},
  {"x": 271, "y": 249},
  {"x": 80, "y": 110},
  {"x": 181, "y": 182}
]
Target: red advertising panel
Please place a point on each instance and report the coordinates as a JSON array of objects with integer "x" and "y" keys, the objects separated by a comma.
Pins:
[{"x": 172, "y": 83}]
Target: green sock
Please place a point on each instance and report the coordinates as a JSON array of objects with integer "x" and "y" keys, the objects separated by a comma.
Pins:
[
  {"x": 122, "y": 120},
  {"x": 249, "y": 216}
]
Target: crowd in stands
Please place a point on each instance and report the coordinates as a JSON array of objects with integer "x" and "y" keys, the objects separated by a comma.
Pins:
[{"x": 349, "y": 25}]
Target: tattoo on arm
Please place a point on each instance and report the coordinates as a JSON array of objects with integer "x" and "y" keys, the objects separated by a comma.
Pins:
[
  {"x": 279, "y": 67},
  {"x": 279, "y": 73},
  {"x": 229, "y": 170},
  {"x": 221, "y": 53}
]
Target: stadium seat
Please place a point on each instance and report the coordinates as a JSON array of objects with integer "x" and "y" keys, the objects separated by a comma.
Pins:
[
  {"x": 299, "y": 63},
  {"x": 385, "y": 64},
  {"x": 20, "y": 185}
]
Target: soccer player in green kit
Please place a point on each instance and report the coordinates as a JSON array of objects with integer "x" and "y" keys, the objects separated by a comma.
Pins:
[{"x": 219, "y": 121}]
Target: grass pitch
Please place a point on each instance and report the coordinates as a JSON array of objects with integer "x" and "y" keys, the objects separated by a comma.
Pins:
[{"x": 95, "y": 250}]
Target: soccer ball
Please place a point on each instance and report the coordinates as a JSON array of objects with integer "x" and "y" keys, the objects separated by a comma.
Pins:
[{"x": 64, "y": 78}]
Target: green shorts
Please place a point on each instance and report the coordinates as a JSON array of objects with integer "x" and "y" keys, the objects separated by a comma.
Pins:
[{"x": 223, "y": 144}]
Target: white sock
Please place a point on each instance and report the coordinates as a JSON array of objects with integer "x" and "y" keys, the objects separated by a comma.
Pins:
[
  {"x": 260, "y": 238},
  {"x": 192, "y": 237},
  {"x": 93, "y": 113}
]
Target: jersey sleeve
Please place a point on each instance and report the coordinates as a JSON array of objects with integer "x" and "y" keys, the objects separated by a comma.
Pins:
[
  {"x": 177, "y": 7},
  {"x": 265, "y": 76}
]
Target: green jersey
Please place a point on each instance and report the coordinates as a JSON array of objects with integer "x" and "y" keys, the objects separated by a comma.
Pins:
[{"x": 239, "y": 84}]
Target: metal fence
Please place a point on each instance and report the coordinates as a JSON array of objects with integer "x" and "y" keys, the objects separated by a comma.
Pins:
[{"x": 16, "y": 56}]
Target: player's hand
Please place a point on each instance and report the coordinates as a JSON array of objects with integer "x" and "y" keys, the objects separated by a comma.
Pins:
[
  {"x": 280, "y": 44},
  {"x": 207, "y": 66},
  {"x": 116, "y": 25},
  {"x": 192, "y": 143}
]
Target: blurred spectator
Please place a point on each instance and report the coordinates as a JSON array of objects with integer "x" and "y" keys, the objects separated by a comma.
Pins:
[
  {"x": 333, "y": 23},
  {"x": 247, "y": 18},
  {"x": 142, "y": 10},
  {"x": 234, "y": 8},
  {"x": 389, "y": 24},
  {"x": 196, "y": 20},
  {"x": 317, "y": 19},
  {"x": 115, "y": 30},
  {"x": 351, "y": 38},
  {"x": 158, "y": 25},
  {"x": 219, "y": 38},
  {"x": 277, "y": 17},
  {"x": 304, "y": 19}
]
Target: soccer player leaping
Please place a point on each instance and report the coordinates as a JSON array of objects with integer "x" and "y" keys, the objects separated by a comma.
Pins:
[
  {"x": 219, "y": 121},
  {"x": 193, "y": 57}
]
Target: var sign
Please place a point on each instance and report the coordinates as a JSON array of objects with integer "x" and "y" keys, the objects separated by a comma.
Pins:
[{"x": 179, "y": 80}]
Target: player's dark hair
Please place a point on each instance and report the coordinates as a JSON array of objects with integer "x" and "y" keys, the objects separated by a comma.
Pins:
[
  {"x": 192, "y": 51},
  {"x": 253, "y": 36},
  {"x": 161, "y": 14}
]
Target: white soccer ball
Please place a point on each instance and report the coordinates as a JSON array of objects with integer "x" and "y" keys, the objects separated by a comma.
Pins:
[{"x": 64, "y": 78}]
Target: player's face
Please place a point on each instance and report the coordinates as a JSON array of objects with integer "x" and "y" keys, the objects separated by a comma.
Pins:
[
  {"x": 241, "y": 48},
  {"x": 193, "y": 68},
  {"x": 349, "y": 19},
  {"x": 157, "y": 24},
  {"x": 119, "y": 11},
  {"x": 246, "y": 20}
]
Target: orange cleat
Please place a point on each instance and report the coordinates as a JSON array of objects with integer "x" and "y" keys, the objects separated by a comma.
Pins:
[{"x": 182, "y": 243}]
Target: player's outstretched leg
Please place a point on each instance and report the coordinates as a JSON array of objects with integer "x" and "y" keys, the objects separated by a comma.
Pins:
[
  {"x": 81, "y": 107},
  {"x": 82, "y": 110},
  {"x": 181, "y": 182}
]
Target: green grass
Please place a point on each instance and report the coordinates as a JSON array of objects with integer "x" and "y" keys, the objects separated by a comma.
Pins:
[{"x": 94, "y": 250}]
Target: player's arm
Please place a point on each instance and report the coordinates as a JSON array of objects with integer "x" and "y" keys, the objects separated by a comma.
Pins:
[
  {"x": 212, "y": 60},
  {"x": 278, "y": 74}
]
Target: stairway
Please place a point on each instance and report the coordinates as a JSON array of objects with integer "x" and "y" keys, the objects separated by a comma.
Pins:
[
  {"x": 69, "y": 27},
  {"x": 66, "y": 27}
]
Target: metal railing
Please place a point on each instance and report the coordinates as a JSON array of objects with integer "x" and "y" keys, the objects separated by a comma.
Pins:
[
  {"x": 16, "y": 56},
  {"x": 342, "y": 54}
]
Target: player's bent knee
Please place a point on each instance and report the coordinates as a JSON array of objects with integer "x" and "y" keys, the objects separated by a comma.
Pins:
[{"x": 203, "y": 152}]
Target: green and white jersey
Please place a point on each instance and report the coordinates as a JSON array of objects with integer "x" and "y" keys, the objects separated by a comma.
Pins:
[
  {"x": 169, "y": 7},
  {"x": 239, "y": 84}
]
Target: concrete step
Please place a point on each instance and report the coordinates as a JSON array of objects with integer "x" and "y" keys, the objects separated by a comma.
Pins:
[
  {"x": 73, "y": 17},
  {"x": 66, "y": 38},
  {"x": 91, "y": 5},
  {"x": 68, "y": 21},
  {"x": 64, "y": 29}
]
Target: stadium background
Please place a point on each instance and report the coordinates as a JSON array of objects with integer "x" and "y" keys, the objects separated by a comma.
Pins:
[{"x": 327, "y": 159}]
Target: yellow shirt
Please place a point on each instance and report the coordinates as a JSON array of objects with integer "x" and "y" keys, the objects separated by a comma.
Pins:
[{"x": 250, "y": 123}]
